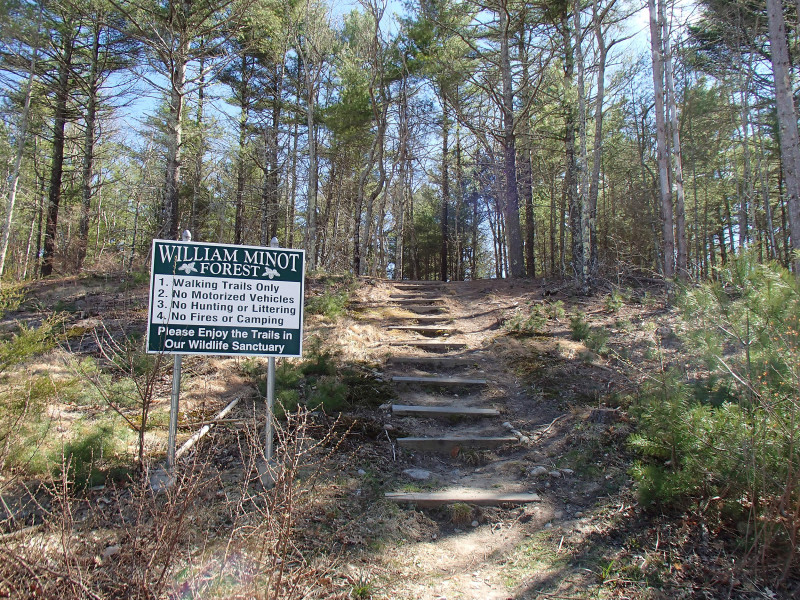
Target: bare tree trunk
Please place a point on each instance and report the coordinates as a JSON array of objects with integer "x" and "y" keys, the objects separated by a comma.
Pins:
[
  {"x": 597, "y": 145},
  {"x": 22, "y": 135},
  {"x": 580, "y": 230},
  {"x": 445, "y": 189},
  {"x": 174, "y": 151},
  {"x": 656, "y": 46},
  {"x": 88, "y": 148},
  {"x": 677, "y": 166},
  {"x": 511, "y": 204},
  {"x": 57, "y": 166},
  {"x": 238, "y": 224},
  {"x": 311, "y": 202},
  {"x": 787, "y": 119}
]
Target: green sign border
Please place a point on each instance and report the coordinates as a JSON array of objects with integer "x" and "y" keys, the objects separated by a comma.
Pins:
[{"x": 292, "y": 348}]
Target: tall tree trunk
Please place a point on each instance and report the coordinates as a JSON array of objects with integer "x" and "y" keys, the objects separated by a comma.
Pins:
[
  {"x": 88, "y": 147},
  {"x": 580, "y": 229},
  {"x": 197, "y": 212},
  {"x": 22, "y": 136},
  {"x": 524, "y": 161},
  {"x": 570, "y": 192},
  {"x": 269, "y": 209},
  {"x": 597, "y": 145},
  {"x": 511, "y": 204},
  {"x": 677, "y": 166},
  {"x": 667, "y": 222},
  {"x": 57, "y": 165},
  {"x": 787, "y": 119},
  {"x": 244, "y": 116},
  {"x": 311, "y": 202},
  {"x": 174, "y": 148},
  {"x": 445, "y": 189}
]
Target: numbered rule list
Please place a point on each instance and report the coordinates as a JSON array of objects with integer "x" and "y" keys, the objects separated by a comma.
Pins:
[{"x": 225, "y": 299}]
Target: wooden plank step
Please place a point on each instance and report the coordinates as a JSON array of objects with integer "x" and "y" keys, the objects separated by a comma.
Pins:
[
  {"x": 443, "y": 411},
  {"x": 425, "y": 309},
  {"x": 467, "y": 496},
  {"x": 433, "y": 361},
  {"x": 429, "y": 329},
  {"x": 416, "y": 300},
  {"x": 431, "y": 346},
  {"x": 426, "y": 319},
  {"x": 449, "y": 442},
  {"x": 428, "y": 380}
]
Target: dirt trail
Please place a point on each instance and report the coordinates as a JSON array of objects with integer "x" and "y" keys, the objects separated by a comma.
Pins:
[{"x": 504, "y": 551}]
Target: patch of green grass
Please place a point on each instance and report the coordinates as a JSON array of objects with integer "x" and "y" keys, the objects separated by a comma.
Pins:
[
  {"x": 460, "y": 513},
  {"x": 29, "y": 342},
  {"x": 11, "y": 297},
  {"x": 538, "y": 554},
  {"x": 362, "y": 589},
  {"x": 89, "y": 455}
]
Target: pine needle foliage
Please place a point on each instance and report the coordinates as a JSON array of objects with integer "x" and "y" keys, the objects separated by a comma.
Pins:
[{"x": 731, "y": 441}]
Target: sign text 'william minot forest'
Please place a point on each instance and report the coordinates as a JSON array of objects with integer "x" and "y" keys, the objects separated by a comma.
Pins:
[{"x": 224, "y": 299}]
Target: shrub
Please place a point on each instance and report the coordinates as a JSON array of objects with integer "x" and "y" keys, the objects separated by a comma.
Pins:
[
  {"x": 556, "y": 310},
  {"x": 597, "y": 340},
  {"x": 527, "y": 323},
  {"x": 579, "y": 327},
  {"x": 614, "y": 301},
  {"x": 731, "y": 440}
]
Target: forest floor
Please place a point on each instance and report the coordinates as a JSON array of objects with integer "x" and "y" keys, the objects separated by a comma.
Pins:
[{"x": 586, "y": 537}]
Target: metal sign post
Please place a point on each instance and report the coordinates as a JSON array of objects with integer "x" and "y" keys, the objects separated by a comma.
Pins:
[{"x": 174, "y": 400}]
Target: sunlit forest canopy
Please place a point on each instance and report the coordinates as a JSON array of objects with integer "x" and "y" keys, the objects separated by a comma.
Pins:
[{"x": 430, "y": 139}]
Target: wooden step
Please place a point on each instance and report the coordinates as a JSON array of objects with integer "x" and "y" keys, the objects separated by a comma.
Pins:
[
  {"x": 416, "y": 300},
  {"x": 422, "y": 283},
  {"x": 431, "y": 346},
  {"x": 467, "y": 496},
  {"x": 443, "y": 411},
  {"x": 429, "y": 380},
  {"x": 450, "y": 442},
  {"x": 423, "y": 319},
  {"x": 424, "y": 309},
  {"x": 426, "y": 329},
  {"x": 434, "y": 361}
]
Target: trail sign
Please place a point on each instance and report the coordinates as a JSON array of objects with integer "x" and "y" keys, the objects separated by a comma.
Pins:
[{"x": 225, "y": 299}]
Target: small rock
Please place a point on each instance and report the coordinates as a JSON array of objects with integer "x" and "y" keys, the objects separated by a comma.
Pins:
[
  {"x": 537, "y": 471},
  {"x": 558, "y": 514},
  {"x": 548, "y": 525},
  {"x": 555, "y": 474},
  {"x": 578, "y": 515},
  {"x": 524, "y": 439},
  {"x": 568, "y": 471},
  {"x": 508, "y": 425},
  {"x": 388, "y": 427},
  {"x": 474, "y": 524},
  {"x": 385, "y": 407},
  {"x": 457, "y": 531},
  {"x": 111, "y": 551},
  {"x": 418, "y": 474},
  {"x": 362, "y": 472}
]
